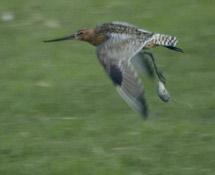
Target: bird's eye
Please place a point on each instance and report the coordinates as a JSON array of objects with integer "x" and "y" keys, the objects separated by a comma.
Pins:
[{"x": 80, "y": 33}]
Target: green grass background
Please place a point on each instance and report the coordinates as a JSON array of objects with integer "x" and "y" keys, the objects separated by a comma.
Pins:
[{"x": 60, "y": 114}]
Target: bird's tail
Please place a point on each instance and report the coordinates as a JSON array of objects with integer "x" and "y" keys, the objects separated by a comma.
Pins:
[{"x": 166, "y": 41}]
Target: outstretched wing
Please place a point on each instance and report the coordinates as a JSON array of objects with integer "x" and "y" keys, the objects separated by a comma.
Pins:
[
  {"x": 131, "y": 88},
  {"x": 115, "y": 55}
]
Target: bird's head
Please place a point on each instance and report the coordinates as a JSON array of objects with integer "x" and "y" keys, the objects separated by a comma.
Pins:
[
  {"x": 86, "y": 34},
  {"x": 83, "y": 35}
]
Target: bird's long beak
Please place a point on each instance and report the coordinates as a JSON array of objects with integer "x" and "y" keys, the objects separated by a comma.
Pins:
[{"x": 71, "y": 37}]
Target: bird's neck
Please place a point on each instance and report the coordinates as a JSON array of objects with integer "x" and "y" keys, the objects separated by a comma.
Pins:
[
  {"x": 95, "y": 38},
  {"x": 99, "y": 39}
]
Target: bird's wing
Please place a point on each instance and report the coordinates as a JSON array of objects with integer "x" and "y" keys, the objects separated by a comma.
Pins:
[
  {"x": 115, "y": 58},
  {"x": 128, "y": 84},
  {"x": 123, "y": 23},
  {"x": 129, "y": 25},
  {"x": 131, "y": 88},
  {"x": 120, "y": 46},
  {"x": 143, "y": 62}
]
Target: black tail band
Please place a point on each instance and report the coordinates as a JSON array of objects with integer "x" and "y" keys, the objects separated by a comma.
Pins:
[{"x": 175, "y": 48}]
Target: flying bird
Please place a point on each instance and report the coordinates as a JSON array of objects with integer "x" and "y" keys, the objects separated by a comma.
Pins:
[{"x": 121, "y": 50}]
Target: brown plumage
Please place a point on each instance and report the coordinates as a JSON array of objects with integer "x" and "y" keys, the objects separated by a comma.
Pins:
[{"x": 120, "y": 49}]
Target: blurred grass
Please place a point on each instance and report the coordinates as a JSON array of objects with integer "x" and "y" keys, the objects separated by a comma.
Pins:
[{"x": 59, "y": 114}]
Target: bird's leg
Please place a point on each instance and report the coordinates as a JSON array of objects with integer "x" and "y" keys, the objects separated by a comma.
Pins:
[{"x": 157, "y": 71}]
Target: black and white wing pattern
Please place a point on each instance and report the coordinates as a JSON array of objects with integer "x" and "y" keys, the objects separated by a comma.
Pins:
[{"x": 115, "y": 55}]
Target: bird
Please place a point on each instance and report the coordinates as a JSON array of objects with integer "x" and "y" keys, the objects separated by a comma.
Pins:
[{"x": 121, "y": 48}]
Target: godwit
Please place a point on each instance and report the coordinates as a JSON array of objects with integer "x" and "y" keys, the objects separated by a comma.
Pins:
[{"x": 120, "y": 49}]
